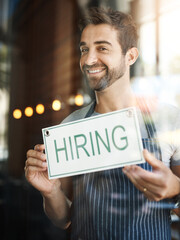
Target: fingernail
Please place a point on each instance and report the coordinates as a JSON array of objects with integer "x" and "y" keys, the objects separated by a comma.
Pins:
[{"x": 44, "y": 164}]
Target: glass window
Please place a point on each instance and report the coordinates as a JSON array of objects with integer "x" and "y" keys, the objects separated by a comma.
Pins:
[
  {"x": 148, "y": 48},
  {"x": 169, "y": 48}
]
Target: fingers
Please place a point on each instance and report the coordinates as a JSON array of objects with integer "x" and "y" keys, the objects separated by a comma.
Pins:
[
  {"x": 149, "y": 157},
  {"x": 39, "y": 147},
  {"x": 152, "y": 184},
  {"x": 35, "y": 163},
  {"x": 150, "y": 190},
  {"x": 37, "y": 153},
  {"x": 36, "y": 159},
  {"x": 142, "y": 176},
  {"x": 155, "y": 177}
]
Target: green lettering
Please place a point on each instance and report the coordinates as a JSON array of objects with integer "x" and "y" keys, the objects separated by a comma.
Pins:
[
  {"x": 60, "y": 149},
  {"x": 70, "y": 143},
  {"x": 122, "y": 138},
  {"x": 92, "y": 145},
  {"x": 106, "y": 145},
  {"x": 80, "y": 145}
]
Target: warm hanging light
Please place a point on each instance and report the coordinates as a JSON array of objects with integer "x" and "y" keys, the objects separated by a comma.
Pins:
[
  {"x": 79, "y": 100},
  {"x": 56, "y": 105},
  {"x": 17, "y": 114},
  {"x": 28, "y": 111},
  {"x": 40, "y": 109}
]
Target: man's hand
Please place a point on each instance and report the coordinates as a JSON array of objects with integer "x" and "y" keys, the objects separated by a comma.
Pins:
[
  {"x": 36, "y": 171},
  {"x": 156, "y": 185},
  {"x": 56, "y": 204}
]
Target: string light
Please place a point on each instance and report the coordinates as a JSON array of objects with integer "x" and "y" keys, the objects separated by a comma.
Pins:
[
  {"x": 28, "y": 111},
  {"x": 40, "y": 109},
  {"x": 17, "y": 114},
  {"x": 56, "y": 105},
  {"x": 79, "y": 100}
]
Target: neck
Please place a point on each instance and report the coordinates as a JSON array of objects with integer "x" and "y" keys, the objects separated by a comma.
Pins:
[{"x": 115, "y": 97}]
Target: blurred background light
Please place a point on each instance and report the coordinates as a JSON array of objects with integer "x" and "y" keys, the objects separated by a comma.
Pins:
[
  {"x": 17, "y": 114},
  {"x": 56, "y": 105},
  {"x": 71, "y": 100},
  {"x": 40, "y": 109},
  {"x": 28, "y": 111},
  {"x": 79, "y": 100}
]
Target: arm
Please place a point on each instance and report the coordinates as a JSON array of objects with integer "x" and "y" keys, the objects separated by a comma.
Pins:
[
  {"x": 57, "y": 205},
  {"x": 55, "y": 192}
]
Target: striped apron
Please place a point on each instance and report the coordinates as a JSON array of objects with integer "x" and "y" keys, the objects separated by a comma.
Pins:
[{"x": 107, "y": 206}]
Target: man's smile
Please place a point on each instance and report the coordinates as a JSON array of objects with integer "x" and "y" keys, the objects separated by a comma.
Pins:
[{"x": 95, "y": 71}]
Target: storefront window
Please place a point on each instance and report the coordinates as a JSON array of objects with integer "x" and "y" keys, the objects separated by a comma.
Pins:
[
  {"x": 148, "y": 48},
  {"x": 169, "y": 36}
]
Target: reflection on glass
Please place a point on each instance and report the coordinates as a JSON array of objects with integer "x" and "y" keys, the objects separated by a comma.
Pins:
[
  {"x": 148, "y": 48},
  {"x": 169, "y": 47}
]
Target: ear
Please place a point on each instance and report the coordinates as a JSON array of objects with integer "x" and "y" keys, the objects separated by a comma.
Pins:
[{"x": 132, "y": 55}]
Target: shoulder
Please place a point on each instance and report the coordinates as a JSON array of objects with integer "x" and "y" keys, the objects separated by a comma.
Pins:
[
  {"x": 78, "y": 114},
  {"x": 171, "y": 109}
]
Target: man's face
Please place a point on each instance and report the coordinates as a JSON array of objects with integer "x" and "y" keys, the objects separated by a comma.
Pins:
[{"x": 102, "y": 61}]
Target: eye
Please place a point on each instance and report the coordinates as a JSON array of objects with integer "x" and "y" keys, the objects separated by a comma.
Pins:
[
  {"x": 102, "y": 49},
  {"x": 83, "y": 50}
]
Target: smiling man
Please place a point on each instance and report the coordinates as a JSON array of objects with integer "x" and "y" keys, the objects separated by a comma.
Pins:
[
  {"x": 132, "y": 203},
  {"x": 98, "y": 47}
]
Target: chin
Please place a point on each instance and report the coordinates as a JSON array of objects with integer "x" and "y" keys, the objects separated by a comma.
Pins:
[
  {"x": 101, "y": 87},
  {"x": 98, "y": 84}
]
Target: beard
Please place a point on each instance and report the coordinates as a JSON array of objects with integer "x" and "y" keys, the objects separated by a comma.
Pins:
[{"x": 110, "y": 76}]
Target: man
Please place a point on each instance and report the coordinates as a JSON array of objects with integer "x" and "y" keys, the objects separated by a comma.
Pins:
[{"x": 129, "y": 203}]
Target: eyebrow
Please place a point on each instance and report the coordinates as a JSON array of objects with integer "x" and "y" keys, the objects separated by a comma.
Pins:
[{"x": 97, "y": 42}]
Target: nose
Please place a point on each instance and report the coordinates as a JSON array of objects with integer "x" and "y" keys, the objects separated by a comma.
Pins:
[{"x": 90, "y": 58}]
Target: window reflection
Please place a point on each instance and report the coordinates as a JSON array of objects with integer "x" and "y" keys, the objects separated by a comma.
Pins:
[
  {"x": 148, "y": 48},
  {"x": 169, "y": 49},
  {"x": 4, "y": 100}
]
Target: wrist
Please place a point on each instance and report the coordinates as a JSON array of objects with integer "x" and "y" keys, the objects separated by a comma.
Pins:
[
  {"x": 176, "y": 188},
  {"x": 176, "y": 198},
  {"x": 53, "y": 191}
]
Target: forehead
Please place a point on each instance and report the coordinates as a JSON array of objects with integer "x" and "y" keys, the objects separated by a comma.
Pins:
[{"x": 94, "y": 33}]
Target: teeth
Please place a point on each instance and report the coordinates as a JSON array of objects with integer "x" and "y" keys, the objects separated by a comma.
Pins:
[{"x": 94, "y": 71}]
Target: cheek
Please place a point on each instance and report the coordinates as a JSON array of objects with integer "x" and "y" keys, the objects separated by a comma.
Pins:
[{"x": 109, "y": 62}]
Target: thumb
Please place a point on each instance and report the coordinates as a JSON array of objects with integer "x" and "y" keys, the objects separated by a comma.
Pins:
[{"x": 149, "y": 157}]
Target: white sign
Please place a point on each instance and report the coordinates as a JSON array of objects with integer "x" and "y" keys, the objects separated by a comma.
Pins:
[{"x": 92, "y": 144}]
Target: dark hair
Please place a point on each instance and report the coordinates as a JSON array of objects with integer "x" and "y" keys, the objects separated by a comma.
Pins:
[{"x": 123, "y": 23}]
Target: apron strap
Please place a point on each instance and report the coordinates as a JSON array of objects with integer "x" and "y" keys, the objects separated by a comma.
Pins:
[{"x": 91, "y": 110}]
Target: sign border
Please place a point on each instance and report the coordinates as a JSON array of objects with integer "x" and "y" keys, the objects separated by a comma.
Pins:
[{"x": 98, "y": 168}]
